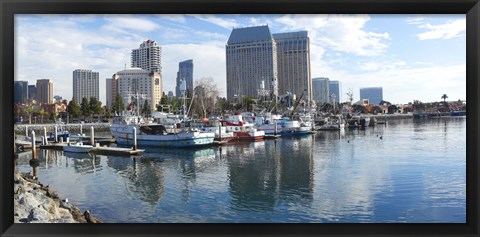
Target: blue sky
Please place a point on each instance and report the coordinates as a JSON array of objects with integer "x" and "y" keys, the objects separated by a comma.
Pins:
[{"x": 413, "y": 57}]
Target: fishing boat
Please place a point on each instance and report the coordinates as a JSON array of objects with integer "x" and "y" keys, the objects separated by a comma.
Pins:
[
  {"x": 213, "y": 125},
  {"x": 241, "y": 130},
  {"x": 78, "y": 148}
]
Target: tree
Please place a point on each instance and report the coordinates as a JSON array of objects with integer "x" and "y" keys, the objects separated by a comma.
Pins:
[
  {"x": 445, "y": 104},
  {"x": 53, "y": 116},
  {"x": 95, "y": 106},
  {"x": 117, "y": 104},
  {"x": 85, "y": 107},
  {"x": 42, "y": 113},
  {"x": 206, "y": 96},
  {"x": 73, "y": 109},
  {"x": 29, "y": 111},
  {"x": 248, "y": 102},
  {"x": 392, "y": 109},
  {"x": 146, "y": 108}
]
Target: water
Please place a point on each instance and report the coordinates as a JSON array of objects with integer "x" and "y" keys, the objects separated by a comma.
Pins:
[{"x": 415, "y": 174}]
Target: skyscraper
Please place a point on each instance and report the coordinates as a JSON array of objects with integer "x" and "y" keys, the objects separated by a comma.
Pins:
[
  {"x": 20, "y": 92},
  {"x": 44, "y": 91},
  {"x": 147, "y": 57},
  {"x": 111, "y": 85},
  {"x": 293, "y": 62},
  {"x": 321, "y": 90},
  {"x": 31, "y": 92},
  {"x": 185, "y": 72},
  {"x": 335, "y": 89},
  {"x": 373, "y": 94},
  {"x": 251, "y": 58},
  {"x": 85, "y": 84},
  {"x": 145, "y": 83}
]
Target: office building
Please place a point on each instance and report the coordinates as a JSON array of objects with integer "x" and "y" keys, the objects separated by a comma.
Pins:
[
  {"x": 31, "y": 92},
  {"x": 321, "y": 90},
  {"x": 147, "y": 84},
  {"x": 251, "y": 57},
  {"x": 373, "y": 94},
  {"x": 170, "y": 95},
  {"x": 85, "y": 84},
  {"x": 44, "y": 91},
  {"x": 111, "y": 85},
  {"x": 20, "y": 91},
  {"x": 293, "y": 62},
  {"x": 185, "y": 72},
  {"x": 335, "y": 89},
  {"x": 147, "y": 57}
]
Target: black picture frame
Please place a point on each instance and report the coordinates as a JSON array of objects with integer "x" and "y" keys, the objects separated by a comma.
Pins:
[{"x": 11, "y": 7}]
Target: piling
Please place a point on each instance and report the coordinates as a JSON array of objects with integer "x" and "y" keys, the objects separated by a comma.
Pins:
[
  {"x": 45, "y": 135},
  {"x": 81, "y": 130},
  {"x": 61, "y": 140},
  {"x": 134, "y": 138},
  {"x": 275, "y": 127},
  {"x": 220, "y": 132},
  {"x": 34, "y": 148},
  {"x": 26, "y": 131},
  {"x": 56, "y": 134},
  {"x": 92, "y": 136}
]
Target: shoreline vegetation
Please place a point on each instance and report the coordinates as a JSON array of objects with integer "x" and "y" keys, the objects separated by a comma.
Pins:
[{"x": 36, "y": 203}]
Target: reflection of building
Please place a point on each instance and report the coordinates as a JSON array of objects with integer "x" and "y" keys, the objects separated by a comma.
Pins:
[
  {"x": 20, "y": 92},
  {"x": 145, "y": 83},
  {"x": 293, "y": 62},
  {"x": 185, "y": 72},
  {"x": 321, "y": 90},
  {"x": 85, "y": 84},
  {"x": 44, "y": 91},
  {"x": 373, "y": 94},
  {"x": 281, "y": 175},
  {"x": 251, "y": 58}
]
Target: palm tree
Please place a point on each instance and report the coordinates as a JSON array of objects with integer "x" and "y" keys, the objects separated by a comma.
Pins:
[{"x": 444, "y": 97}]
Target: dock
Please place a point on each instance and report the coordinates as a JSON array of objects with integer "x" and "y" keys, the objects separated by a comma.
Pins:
[
  {"x": 100, "y": 150},
  {"x": 272, "y": 136}
]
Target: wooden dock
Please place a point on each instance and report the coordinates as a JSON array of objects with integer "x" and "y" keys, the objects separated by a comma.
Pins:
[{"x": 101, "y": 150}]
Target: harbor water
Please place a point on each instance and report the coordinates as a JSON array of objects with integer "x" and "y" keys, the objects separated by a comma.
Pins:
[{"x": 411, "y": 171}]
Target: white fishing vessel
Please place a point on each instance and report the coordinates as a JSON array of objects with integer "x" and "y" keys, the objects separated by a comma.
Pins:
[
  {"x": 78, "y": 148},
  {"x": 241, "y": 130}
]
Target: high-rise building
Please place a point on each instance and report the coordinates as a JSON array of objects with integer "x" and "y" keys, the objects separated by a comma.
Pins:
[
  {"x": 85, "y": 84},
  {"x": 373, "y": 94},
  {"x": 112, "y": 89},
  {"x": 147, "y": 84},
  {"x": 44, "y": 91},
  {"x": 335, "y": 89},
  {"x": 185, "y": 72},
  {"x": 170, "y": 95},
  {"x": 31, "y": 92},
  {"x": 293, "y": 62},
  {"x": 148, "y": 57},
  {"x": 20, "y": 92},
  {"x": 251, "y": 58},
  {"x": 321, "y": 90}
]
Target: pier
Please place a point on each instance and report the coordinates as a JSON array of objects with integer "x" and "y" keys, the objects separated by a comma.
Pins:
[{"x": 100, "y": 150}]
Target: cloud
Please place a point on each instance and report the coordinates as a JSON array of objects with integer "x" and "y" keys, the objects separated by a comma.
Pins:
[
  {"x": 451, "y": 29},
  {"x": 131, "y": 23},
  {"x": 213, "y": 19},
  {"x": 344, "y": 33}
]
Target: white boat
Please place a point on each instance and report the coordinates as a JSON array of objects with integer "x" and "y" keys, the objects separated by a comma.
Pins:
[
  {"x": 240, "y": 129},
  {"x": 156, "y": 135},
  {"x": 78, "y": 148}
]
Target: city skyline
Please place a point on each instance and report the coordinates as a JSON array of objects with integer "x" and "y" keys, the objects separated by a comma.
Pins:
[{"x": 386, "y": 51}]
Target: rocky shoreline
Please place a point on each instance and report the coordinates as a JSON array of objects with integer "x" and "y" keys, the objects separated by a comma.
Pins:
[{"x": 36, "y": 203}]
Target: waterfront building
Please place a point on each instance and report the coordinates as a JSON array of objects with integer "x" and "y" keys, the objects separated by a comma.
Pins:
[
  {"x": 334, "y": 88},
  {"x": 251, "y": 57},
  {"x": 85, "y": 84},
  {"x": 20, "y": 92},
  {"x": 31, "y": 92},
  {"x": 44, "y": 91},
  {"x": 111, "y": 85},
  {"x": 185, "y": 72},
  {"x": 373, "y": 94},
  {"x": 148, "y": 84},
  {"x": 321, "y": 90},
  {"x": 293, "y": 63},
  {"x": 147, "y": 56}
]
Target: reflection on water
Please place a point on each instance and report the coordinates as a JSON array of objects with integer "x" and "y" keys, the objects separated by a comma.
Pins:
[{"x": 403, "y": 172}]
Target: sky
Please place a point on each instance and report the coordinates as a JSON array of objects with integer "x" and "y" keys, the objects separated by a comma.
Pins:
[{"x": 413, "y": 57}]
